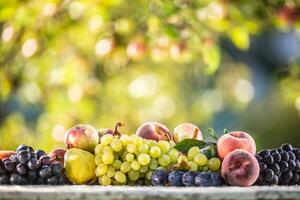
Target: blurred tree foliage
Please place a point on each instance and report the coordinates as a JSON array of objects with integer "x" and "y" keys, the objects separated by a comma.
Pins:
[{"x": 65, "y": 62}]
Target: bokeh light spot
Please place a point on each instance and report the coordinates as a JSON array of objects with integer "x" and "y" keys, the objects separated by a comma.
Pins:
[
  {"x": 7, "y": 34},
  {"x": 104, "y": 47},
  {"x": 29, "y": 47},
  {"x": 244, "y": 91},
  {"x": 145, "y": 85},
  {"x": 75, "y": 93}
]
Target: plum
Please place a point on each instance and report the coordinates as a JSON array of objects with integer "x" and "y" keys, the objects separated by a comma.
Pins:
[
  {"x": 235, "y": 140},
  {"x": 82, "y": 136},
  {"x": 240, "y": 168},
  {"x": 186, "y": 130},
  {"x": 154, "y": 131}
]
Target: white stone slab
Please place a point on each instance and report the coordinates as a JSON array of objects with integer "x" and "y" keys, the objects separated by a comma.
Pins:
[{"x": 147, "y": 193}]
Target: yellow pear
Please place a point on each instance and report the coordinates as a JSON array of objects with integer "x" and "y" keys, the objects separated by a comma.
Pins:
[{"x": 79, "y": 166}]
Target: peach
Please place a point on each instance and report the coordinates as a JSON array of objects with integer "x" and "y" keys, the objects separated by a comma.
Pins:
[
  {"x": 235, "y": 140},
  {"x": 186, "y": 130},
  {"x": 154, "y": 131},
  {"x": 240, "y": 168},
  {"x": 57, "y": 155},
  {"x": 83, "y": 137},
  {"x": 6, "y": 154}
]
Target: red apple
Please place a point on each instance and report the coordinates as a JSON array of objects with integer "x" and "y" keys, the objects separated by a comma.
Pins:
[
  {"x": 82, "y": 136},
  {"x": 186, "y": 130},
  {"x": 235, "y": 140},
  {"x": 154, "y": 131},
  {"x": 57, "y": 155}
]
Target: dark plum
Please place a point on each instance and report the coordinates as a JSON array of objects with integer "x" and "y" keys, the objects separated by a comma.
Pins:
[
  {"x": 159, "y": 178},
  {"x": 175, "y": 178},
  {"x": 188, "y": 178}
]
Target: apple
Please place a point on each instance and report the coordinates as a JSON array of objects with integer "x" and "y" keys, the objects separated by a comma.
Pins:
[{"x": 82, "y": 136}]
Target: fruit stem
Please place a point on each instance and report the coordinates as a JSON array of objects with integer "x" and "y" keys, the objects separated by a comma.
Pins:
[{"x": 116, "y": 132}]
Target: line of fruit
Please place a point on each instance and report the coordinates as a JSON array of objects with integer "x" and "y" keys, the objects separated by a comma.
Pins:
[{"x": 152, "y": 156}]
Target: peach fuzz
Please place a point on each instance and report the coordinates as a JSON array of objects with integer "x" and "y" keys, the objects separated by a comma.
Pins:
[{"x": 235, "y": 140}]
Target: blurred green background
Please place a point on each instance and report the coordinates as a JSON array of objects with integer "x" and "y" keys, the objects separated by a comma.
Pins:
[{"x": 215, "y": 63}]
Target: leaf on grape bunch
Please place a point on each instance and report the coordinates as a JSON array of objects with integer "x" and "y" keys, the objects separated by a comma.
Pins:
[{"x": 186, "y": 144}]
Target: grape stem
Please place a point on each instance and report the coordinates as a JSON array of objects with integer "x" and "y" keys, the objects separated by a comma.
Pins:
[{"x": 116, "y": 132}]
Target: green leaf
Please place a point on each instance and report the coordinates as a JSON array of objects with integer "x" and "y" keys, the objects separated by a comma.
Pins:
[
  {"x": 212, "y": 133},
  {"x": 225, "y": 131},
  {"x": 186, "y": 144},
  {"x": 213, "y": 150}
]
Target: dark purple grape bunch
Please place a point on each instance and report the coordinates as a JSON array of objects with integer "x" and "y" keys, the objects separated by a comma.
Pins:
[
  {"x": 279, "y": 166},
  {"x": 29, "y": 167},
  {"x": 186, "y": 178}
]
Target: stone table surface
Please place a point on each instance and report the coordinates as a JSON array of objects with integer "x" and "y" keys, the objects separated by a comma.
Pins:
[{"x": 147, "y": 193}]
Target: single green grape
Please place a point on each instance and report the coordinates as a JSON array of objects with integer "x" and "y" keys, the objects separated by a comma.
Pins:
[
  {"x": 125, "y": 167},
  {"x": 98, "y": 159},
  {"x": 193, "y": 152},
  {"x": 110, "y": 171},
  {"x": 125, "y": 139},
  {"x": 106, "y": 139},
  {"x": 153, "y": 164},
  {"x": 205, "y": 168},
  {"x": 101, "y": 169},
  {"x": 164, "y": 160},
  {"x": 131, "y": 148},
  {"x": 193, "y": 166},
  {"x": 214, "y": 164},
  {"x": 135, "y": 165},
  {"x": 182, "y": 158},
  {"x": 151, "y": 143},
  {"x": 117, "y": 164},
  {"x": 143, "y": 148},
  {"x": 164, "y": 146},
  {"x": 200, "y": 159},
  {"x": 161, "y": 168},
  {"x": 144, "y": 159},
  {"x": 129, "y": 157},
  {"x": 155, "y": 152},
  {"x": 136, "y": 140},
  {"x": 120, "y": 177},
  {"x": 144, "y": 169},
  {"x": 108, "y": 158},
  {"x": 173, "y": 154},
  {"x": 172, "y": 144},
  {"x": 107, "y": 149},
  {"x": 133, "y": 175},
  {"x": 105, "y": 180},
  {"x": 116, "y": 145},
  {"x": 149, "y": 175},
  {"x": 98, "y": 148}
]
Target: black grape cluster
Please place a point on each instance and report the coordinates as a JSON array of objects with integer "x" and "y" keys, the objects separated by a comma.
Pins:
[
  {"x": 29, "y": 167},
  {"x": 279, "y": 166},
  {"x": 186, "y": 178}
]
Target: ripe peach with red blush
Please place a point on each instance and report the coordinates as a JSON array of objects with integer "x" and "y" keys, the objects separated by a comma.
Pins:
[
  {"x": 185, "y": 131},
  {"x": 235, "y": 140},
  {"x": 240, "y": 168},
  {"x": 154, "y": 131}
]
